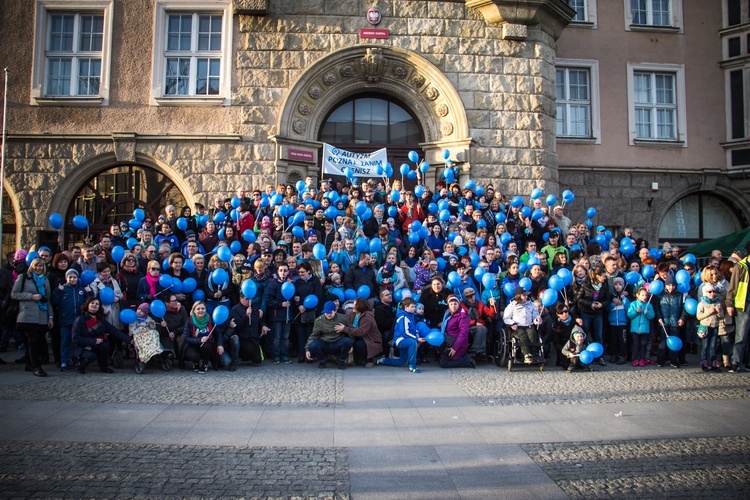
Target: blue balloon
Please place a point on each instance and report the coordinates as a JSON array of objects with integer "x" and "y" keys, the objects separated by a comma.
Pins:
[
  {"x": 117, "y": 253},
  {"x": 550, "y": 200},
  {"x": 500, "y": 218},
  {"x": 419, "y": 191},
  {"x": 441, "y": 263},
  {"x": 139, "y": 214},
  {"x": 134, "y": 224},
  {"x": 479, "y": 272},
  {"x": 199, "y": 295},
  {"x": 413, "y": 238},
  {"x": 87, "y": 277},
  {"x": 648, "y": 271},
  {"x": 182, "y": 224},
  {"x": 249, "y": 289},
  {"x": 287, "y": 290},
  {"x": 395, "y": 195},
  {"x": 350, "y": 294},
  {"x": 688, "y": 259},
  {"x": 220, "y": 314},
  {"x": 319, "y": 251},
  {"x": 586, "y": 357},
  {"x": 516, "y": 201},
  {"x": 537, "y": 214},
  {"x": 505, "y": 238},
  {"x": 424, "y": 167},
  {"x": 536, "y": 193},
  {"x": 106, "y": 296},
  {"x": 674, "y": 343},
  {"x": 224, "y": 253},
  {"x": 298, "y": 232},
  {"x": 219, "y": 217},
  {"x": 424, "y": 232},
  {"x": 338, "y": 293},
  {"x": 236, "y": 202},
  {"x": 555, "y": 283},
  {"x": 435, "y": 338},
  {"x": 444, "y": 215},
  {"x": 691, "y": 306},
  {"x": 367, "y": 214},
  {"x": 568, "y": 196},
  {"x": 363, "y": 292},
  {"x": 656, "y": 287},
  {"x": 248, "y": 235},
  {"x": 422, "y": 328},
  {"x": 404, "y": 168},
  {"x": 454, "y": 279},
  {"x": 128, "y": 316},
  {"x": 523, "y": 267},
  {"x": 525, "y": 283},
  {"x": 188, "y": 266},
  {"x": 56, "y": 220},
  {"x": 220, "y": 276},
  {"x": 432, "y": 208},
  {"x": 310, "y": 302},
  {"x": 392, "y": 211},
  {"x": 375, "y": 245},
  {"x": 549, "y": 297},
  {"x": 509, "y": 289},
  {"x": 189, "y": 285},
  {"x": 446, "y": 154},
  {"x": 158, "y": 308},
  {"x": 470, "y": 184},
  {"x": 413, "y": 156},
  {"x": 489, "y": 280},
  {"x": 632, "y": 277},
  {"x": 525, "y": 211},
  {"x": 591, "y": 212},
  {"x": 596, "y": 349},
  {"x": 165, "y": 281},
  {"x": 235, "y": 247},
  {"x": 411, "y": 175},
  {"x": 682, "y": 277},
  {"x": 80, "y": 222}
]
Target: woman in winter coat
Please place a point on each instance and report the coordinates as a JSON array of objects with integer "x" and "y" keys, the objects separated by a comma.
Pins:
[
  {"x": 368, "y": 341},
  {"x": 592, "y": 298},
  {"x": 456, "y": 325},
  {"x": 105, "y": 280},
  {"x": 91, "y": 336},
  {"x": 35, "y": 316},
  {"x": 130, "y": 278}
]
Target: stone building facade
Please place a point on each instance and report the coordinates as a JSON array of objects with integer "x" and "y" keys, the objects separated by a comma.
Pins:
[{"x": 478, "y": 76}]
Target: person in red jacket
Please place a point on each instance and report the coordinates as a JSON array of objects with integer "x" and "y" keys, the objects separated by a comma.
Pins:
[
  {"x": 410, "y": 211},
  {"x": 479, "y": 316}
]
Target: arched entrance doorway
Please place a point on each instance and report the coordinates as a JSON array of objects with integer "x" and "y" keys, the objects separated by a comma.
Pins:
[
  {"x": 9, "y": 225},
  {"x": 110, "y": 196},
  {"x": 366, "y": 122},
  {"x": 698, "y": 217}
]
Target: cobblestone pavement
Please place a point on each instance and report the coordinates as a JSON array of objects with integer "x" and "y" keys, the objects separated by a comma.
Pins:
[
  {"x": 261, "y": 386},
  {"x": 611, "y": 384},
  {"x": 666, "y": 468},
  {"x": 73, "y": 470}
]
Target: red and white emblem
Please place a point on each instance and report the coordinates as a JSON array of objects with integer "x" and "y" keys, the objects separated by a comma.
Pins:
[{"x": 373, "y": 16}]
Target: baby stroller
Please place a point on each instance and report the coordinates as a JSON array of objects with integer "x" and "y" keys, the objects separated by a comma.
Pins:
[
  {"x": 515, "y": 355},
  {"x": 148, "y": 347}
]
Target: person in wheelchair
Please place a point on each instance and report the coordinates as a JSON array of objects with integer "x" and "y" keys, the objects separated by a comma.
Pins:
[{"x": 521, "y": 317}]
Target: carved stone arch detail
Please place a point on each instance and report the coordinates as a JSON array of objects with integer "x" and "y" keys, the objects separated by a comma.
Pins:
[{"x": 404, "y": 75}]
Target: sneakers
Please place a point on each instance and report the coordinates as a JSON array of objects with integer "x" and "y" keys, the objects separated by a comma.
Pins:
[
  {"x": 63, "y": 367},
  {"x": 472, "y": 363},
  {"x": 704, "y": 365},
  {"x": 590, "y": 367},
  {"x": 635, "y": 362},
  {"x": 571, "y": 368},
  {"x": 197, "y": 367},
  {"x": 286, "y": 360},
  {"x": 602, "y": 362},
  {"x": 660, "y": 365},
  {"x": 674, "y": 365},
  {"x": 528, "y": 359},
  {"x": 642, "y": 362},
  {"x": 380, "y": 361},
  {"x": 369, "y": 364},
  {"x": 715, "y": 366},
  {"x": 414, "y": 369},
  {"x": 276, "y": 360},
  {"x": 649, "y": 361},
  {"x": 736, "y": 368},
  {"x": 203, "y": 369}
]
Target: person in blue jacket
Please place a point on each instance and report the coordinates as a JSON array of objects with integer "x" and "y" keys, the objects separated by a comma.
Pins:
[
  {"x": 279, "y": 314},
  {"x": 618, "y": 322},
  {"x": 68, "y": 299},
  {"x": 405, "y": 337},
  {"x": 640, "y": 312}
]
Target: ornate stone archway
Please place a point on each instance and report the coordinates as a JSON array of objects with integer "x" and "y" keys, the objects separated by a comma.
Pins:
[{"x": 410, "y": 78}]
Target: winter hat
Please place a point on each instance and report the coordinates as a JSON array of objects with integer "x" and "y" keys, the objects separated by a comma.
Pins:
[
  {"x": 265, "y": 222},
  {"x": 144, "y": 308},
  {"x": 335, "y": 276},
  {"x": 452, "y": 298},
  {"x": 669, "y": 280},
  {"x": 20, "y": 254},
  {"x": 619, "y": 280},
  {"x": 71, "y": 271},
  {"x": 388, "y": 266}
]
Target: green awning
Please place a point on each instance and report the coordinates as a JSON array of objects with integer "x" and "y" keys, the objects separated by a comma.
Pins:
[{"x": 726, "y": 244}]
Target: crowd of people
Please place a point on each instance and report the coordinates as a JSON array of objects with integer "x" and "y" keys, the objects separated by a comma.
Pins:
[{"x": 370, "y": 273}]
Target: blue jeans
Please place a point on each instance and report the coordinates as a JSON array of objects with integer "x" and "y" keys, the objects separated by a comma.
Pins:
[
  {"x": 408, "y": 349},
  {"x": 708, "y": 349},
  {"x": 303, "y": 333},
  {"x": 280, "y": 332},
  {"x": 740, "y": 335},
  {"x": 593, "y": 324},
  {"x": 641, "y": 343},
  {"x": 231, "y": 354},
  {"x": 320, "y": 349},
  {"x": 66, "y": 342},
  {"x": 462, "y": 362}
]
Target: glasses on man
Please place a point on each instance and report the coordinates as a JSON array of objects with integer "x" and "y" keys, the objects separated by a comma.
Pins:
[{"x": 564, "y": 311}]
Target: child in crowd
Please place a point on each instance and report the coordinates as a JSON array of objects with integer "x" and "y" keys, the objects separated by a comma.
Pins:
[
  {"x": 671, "y": 319},
  {"x": 618, "y": 322},
  {"x": 405, "y": 337},
  {"x": 640, "y": 312},
  {"x": 573, "y": 348},
  {"x": 709, "y": 313},
  {"x": 68, "y": 299}
]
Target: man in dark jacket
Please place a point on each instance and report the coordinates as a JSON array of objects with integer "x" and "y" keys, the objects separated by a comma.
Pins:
[
  {"x": 243, "y": 341},
  {"x": 385, "y": 316},
  {"x": 361, "y": 274}
]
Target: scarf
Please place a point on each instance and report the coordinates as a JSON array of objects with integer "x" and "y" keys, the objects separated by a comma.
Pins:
[
  {"x": 355, "y": 324},
  {"x": 152, "y": 281},
  {"x": 94, "y": 327},
  {"x": 200, "y": 324},
  {"x": 40, "y": 280},
  {"x": 411, "y": 261}
]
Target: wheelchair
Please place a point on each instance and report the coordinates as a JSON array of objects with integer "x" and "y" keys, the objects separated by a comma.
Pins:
[{"x": 509, "y": 351}]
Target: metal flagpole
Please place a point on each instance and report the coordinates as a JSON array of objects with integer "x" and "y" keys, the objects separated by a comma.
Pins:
[{"x": 2, "y": 160}]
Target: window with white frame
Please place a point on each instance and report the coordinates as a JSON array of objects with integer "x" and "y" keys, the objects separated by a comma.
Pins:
[
  {"x": 585, "y": 13},
  {"x": 191, "y": 56},
  {"x": 577, "y": 82},
  {"x": 653, "y": 14},
  {"x": 656, "y": 95},
  {"x": 72, "y": 51}
]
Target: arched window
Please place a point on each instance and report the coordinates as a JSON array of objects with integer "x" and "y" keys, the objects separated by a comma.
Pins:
[
  {"x": 698, "y": 217},
  {"x": 367, "y": 122},
  {"x": 112, "y": 195}
]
